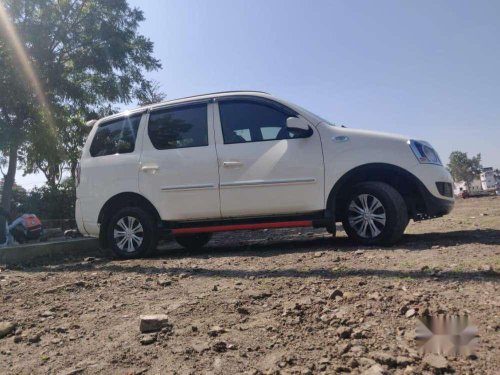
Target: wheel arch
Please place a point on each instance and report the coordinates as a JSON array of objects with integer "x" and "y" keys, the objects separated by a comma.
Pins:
[
  {"x": 125, "y": 199},
  {"x": 407, "y": 184}
]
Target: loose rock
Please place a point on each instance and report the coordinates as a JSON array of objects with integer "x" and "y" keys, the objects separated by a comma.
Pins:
[
  {"x": 436, "y": 361},
  {"x": 148, "y": 339},
  {"x": 153, "y": 323},
  {"x": 6, "y": 328}
]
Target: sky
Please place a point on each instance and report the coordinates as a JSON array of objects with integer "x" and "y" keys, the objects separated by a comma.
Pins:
[{"x": 426, "y": 69}]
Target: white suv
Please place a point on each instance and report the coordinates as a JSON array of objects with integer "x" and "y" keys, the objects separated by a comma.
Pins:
[{"x": 247, "y": 160}]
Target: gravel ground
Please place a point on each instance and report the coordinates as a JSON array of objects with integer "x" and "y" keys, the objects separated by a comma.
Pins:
[{"x": 272, "y": 302}]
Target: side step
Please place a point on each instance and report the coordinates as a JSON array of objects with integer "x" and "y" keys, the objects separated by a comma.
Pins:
[{"x": 248, "y": 226}]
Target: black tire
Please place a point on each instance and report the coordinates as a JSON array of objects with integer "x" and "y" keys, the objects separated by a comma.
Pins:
[
  {"x": 384, "y": 225},
  {"x": 193, "y": 241},
  {"x": 124, "y": 218}
]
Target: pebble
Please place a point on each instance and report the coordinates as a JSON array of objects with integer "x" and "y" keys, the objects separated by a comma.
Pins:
[
  {"x": 148, "y": 339},
  {"x": 6, "y": 328},
  {"x": 335, "y": 293},
  {"x": 34, "y": 339},
  {"x": 436, "y": 361},
  {"x": 344, "y": 332},
  {"x": 410, "y": 313},
  {"x": 164, "y": 282},
  {"x": 220, "y": 347},
  {"x": 216, "y": 331}
]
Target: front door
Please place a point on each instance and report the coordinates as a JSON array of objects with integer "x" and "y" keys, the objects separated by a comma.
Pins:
[
  {"x": 264, "y": 169},
  {"x": 178, "y": 170}
]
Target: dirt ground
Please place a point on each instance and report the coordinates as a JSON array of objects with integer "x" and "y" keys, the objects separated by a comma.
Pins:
[{"x": 272, "y": 302}]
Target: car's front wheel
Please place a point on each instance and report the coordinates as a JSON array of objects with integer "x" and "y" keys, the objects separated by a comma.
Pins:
[
  {"x": 375, "y": 214},
  {"x": 132, "y": 233}
]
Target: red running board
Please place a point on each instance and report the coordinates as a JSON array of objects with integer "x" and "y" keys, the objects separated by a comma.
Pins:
[{"x": 225, "y": 228}]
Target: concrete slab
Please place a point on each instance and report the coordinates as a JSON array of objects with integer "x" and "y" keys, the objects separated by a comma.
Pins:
[{"x": 48, "y": 252}]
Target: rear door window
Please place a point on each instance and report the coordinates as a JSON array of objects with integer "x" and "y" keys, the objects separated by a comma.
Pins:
[
  {"x": 179, "y": 127},
  {"x": 115, "y": 137}
]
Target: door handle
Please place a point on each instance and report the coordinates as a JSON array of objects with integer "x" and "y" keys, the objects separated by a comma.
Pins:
[
  {"x": 150, "y": 168},
  {"x": 229, "y": 164}
]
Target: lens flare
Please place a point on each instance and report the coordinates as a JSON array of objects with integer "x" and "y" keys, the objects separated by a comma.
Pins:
[{"x": 12, "y": 38}]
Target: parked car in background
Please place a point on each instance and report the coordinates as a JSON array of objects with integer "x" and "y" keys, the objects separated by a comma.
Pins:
[{"x": 247, "y": 160}]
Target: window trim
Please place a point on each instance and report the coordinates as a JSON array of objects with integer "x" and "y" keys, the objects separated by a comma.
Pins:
[
  {"x": 263, "y": 101},
  {"x": 174, "y": 107},
  {"x": 137, "y": 115}
]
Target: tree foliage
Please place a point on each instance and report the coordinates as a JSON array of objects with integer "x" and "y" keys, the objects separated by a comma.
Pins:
[
  {"x": 151, "y": 94},
  {"x": 51, "y": 202},
  {"x": 85, "y": 55},
  {"x": 463, "y": 168}
]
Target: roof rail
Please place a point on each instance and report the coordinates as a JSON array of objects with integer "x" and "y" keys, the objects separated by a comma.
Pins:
[{"x": 214, "y": 93}]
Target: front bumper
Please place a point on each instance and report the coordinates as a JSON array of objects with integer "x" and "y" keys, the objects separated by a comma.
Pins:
[
  {"x": 435, "y": 207},
  {"x": 433, "y": 202}
]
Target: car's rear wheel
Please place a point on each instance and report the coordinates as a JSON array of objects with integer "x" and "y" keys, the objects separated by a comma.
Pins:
[
  {"x": 193, "y": 241},
  {"x": 132, "y": 233},
  {"x": 375, "y": 214}
]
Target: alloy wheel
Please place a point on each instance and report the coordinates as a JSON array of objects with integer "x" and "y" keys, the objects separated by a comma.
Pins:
[
  {"x": 128, "y": 234},
  {"x": 366, "y": 215}
]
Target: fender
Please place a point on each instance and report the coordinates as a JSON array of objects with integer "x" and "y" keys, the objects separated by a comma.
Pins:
[{"x": 394, "y": 175}]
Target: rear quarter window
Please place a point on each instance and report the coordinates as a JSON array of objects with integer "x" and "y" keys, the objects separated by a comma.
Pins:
[{"x": 115, "y": 137}]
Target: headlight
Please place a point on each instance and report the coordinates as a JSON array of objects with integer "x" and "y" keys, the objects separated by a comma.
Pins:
[{"x": 424, "y": 152}]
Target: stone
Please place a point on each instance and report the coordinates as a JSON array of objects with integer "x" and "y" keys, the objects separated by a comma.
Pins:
[
  {"x": 359, "y": 252},
  {"x": 344, "y": 332},
  {"x": 164, "y": 282},
  {"x": 6, "y": 328},
  {"x": 243, "y": 311},
  {"x": 410, "y": 313},
  {"x": 374, "y": 296},
  {"x": 220, "y": 347},
  {"x": 257, "y": 294},
  {"x": 335, "y": 293},
  {"x": 436, "y": 361},
  {"x": 148, "y": 339},
  {"x": 319, "y": 254},
  {"x": 153, "y": 323},
  {"x": 34, "y": 339},
  {"x": 216, "y": 331}
]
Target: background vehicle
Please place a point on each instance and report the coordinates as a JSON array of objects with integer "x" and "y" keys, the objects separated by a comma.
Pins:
[{"x": 247, "y": 160}]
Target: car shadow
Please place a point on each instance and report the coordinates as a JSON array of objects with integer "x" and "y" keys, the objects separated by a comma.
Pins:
[
  {"x": 263, "y": 247},
  {"x": 223, "y": 247}
]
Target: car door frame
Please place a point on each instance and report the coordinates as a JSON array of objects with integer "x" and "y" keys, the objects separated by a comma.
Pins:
[
  {"x": 219, "y": 140},
  {"x": 186, "y": 189}
]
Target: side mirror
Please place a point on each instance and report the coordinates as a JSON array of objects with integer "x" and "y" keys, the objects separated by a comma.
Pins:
[
  {"x": 298, "y": 128},
  {"x": 295, "y": 123}
]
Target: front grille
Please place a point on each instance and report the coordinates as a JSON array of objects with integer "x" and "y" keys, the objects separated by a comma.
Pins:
[{"x": 445, "y": 188}]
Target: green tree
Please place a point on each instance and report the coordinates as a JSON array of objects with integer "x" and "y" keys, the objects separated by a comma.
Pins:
[
  {"x": 464, "y": 169},
  {"x": 62, "y": 61},
  {"x": 151, "y": 94},
  {"x": 51, "y": 202}
]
